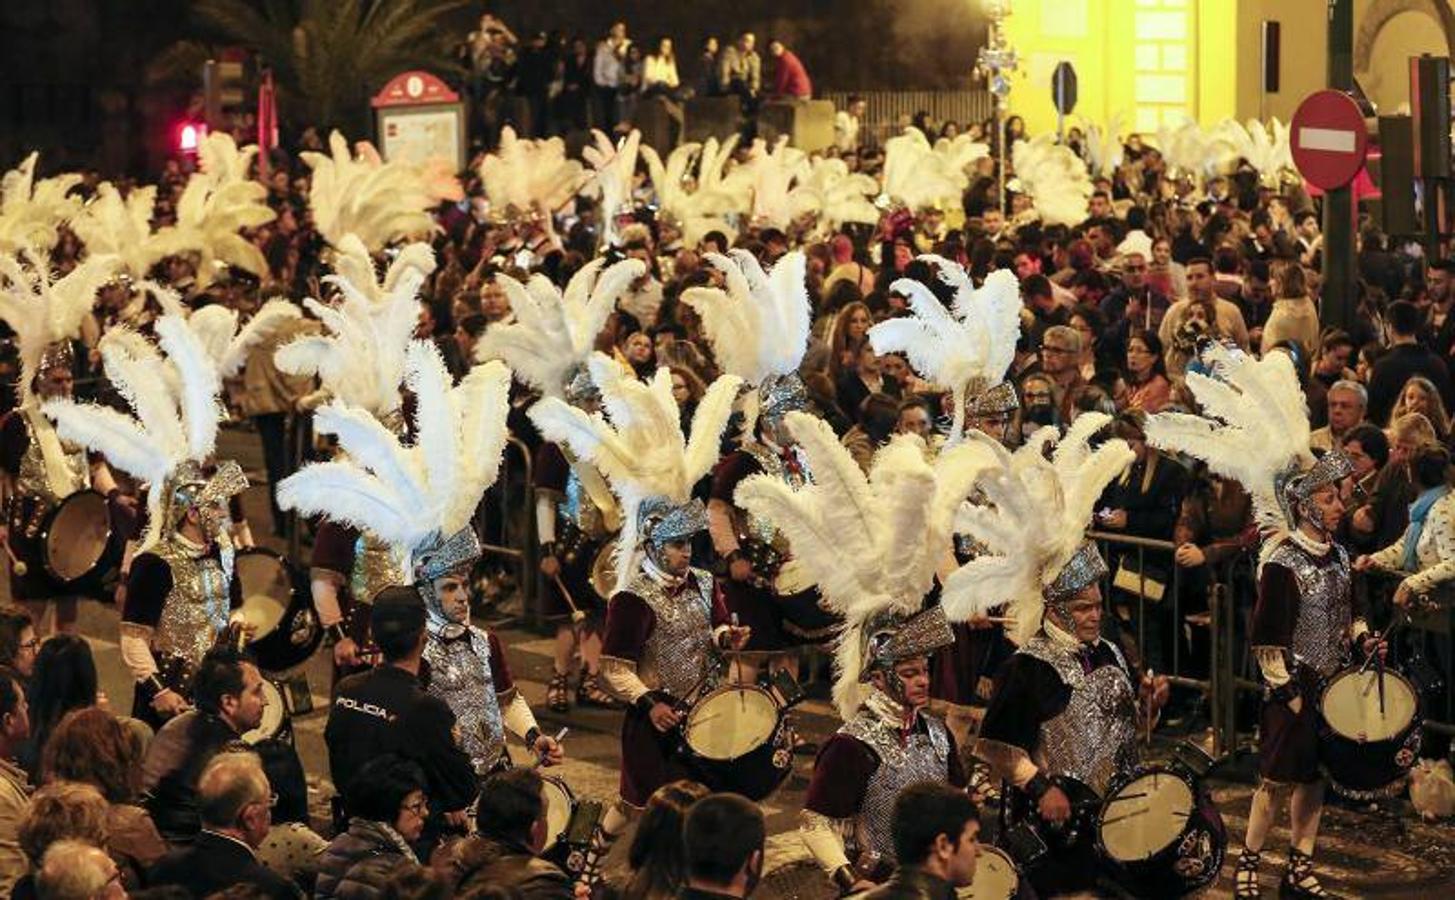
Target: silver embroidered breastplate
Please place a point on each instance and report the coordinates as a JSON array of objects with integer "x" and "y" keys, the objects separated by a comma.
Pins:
[
  {"x": 757, "y": 527},
  {"x": 32, "y": 479},
  {"x": 1324, "y": 612},
  {"x": 1095, "y": 736},
  {"x": 459, "y": 674},
  {"x": 680, "y": 646},
  {"x": 579, "y": 509},
  {"x": 196, "y": 610},
  {"x": 925, "y": 756}
]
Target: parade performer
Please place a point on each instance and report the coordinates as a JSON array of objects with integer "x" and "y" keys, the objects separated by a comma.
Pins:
[
  {"x": 1065, "y": 705},
  {"x": 421, "y": 499},
  {"x": 181, "y": 588},
  {"x": 576, "y": 515},
  {"x": 360, "y": 362},
  {"x": 758, "y": 324},
  {"x": 664, "y": 629},
  {"x": 1255, "y": 429},
  {"x": 38, "y": 470},
  {"x": 874, "y": 545},
  {"x": 967, "y": 349}
]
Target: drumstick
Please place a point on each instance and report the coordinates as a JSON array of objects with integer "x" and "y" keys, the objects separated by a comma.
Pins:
[
  {"x": 1141, "y": 812},
  {"x": 19, "y": 565},
  {"x": 1152, "y": 678},
  {"x": 577, "y": 616}
]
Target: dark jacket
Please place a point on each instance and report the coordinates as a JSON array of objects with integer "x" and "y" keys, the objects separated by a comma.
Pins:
[
  {"x": 174, "y": 761},
  {"x": 214, "y": 862},
  {"x": 1396, "y": 367},
  {"x": 387, "y": 711},
  {"x": 358, "y": 862},
  {"x": 482, "y": 861},
  {"x": 912, "y": 883}
]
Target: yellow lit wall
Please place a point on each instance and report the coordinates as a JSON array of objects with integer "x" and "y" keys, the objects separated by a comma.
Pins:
[{"x": 1150, "y": 61}]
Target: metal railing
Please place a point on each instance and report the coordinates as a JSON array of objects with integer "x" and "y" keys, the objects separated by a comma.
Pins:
[{"x": 886, "y": 109}]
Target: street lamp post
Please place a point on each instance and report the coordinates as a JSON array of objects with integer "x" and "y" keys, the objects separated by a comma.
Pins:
[{"x": 997, "y": 59}]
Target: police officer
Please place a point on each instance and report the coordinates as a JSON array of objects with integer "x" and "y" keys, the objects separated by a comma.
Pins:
[{"x": 386, "y": 710}]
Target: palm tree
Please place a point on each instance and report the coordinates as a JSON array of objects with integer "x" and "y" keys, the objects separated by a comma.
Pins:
[{"x": 328, "y": 56}]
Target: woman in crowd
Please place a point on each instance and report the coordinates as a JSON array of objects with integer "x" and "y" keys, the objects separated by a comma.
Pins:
[
  {"x": 687, "y": 390},
  {"x": 656, "y": 858},
  {"x": 64, "y": 679},
  {"x": 878, "y": 417},
  {"x": 62, "y": 810},
  {"x": 855, "y": 386},
  {"x": 1419, "y": 395},
  {"x": 1090, "y": 324},
  {"x": 91, "y": 746},
  {"x": 1148, "y": 388},
  {"x": 846, "y": 337},
  {"x": 387, "y": 814},
  {"x": 1294, "y": 316}
]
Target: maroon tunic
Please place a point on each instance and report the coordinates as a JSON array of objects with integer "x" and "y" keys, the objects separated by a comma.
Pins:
[
  {"x": 552, "y": 472},
  {"x": 1288, "y": 742},
  {"x": 649, "y": 758},
  {"x": 843, "y": 770}
]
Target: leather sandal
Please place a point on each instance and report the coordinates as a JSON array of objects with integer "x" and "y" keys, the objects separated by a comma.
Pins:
[
  {"x": 558, "y": 694},
  {"x": 1245, "y": 876}
]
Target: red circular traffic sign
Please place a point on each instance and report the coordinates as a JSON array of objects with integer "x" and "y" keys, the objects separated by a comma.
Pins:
[{"x": 1328, "y": 139}]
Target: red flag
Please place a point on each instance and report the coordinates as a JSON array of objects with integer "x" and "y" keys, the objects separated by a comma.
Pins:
[{"x": 267, "y": 122}]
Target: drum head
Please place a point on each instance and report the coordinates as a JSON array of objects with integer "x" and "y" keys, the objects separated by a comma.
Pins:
[
  {"x": 559, "y": 804},
  {"x": 77, "y": 535},
  {"x": 603, "y": 570},
  {"x": 996, "y": 877},
  {"x": 1351, "y": 705},
  {"x": 1146, "y": 815},
  {"x": 731, "y": 722},
  {"x": 267, "y": 590},
  {"x": 273, "y": 715}
]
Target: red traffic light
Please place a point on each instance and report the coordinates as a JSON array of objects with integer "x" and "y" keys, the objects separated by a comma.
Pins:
[{"x": 189, "y": 136}]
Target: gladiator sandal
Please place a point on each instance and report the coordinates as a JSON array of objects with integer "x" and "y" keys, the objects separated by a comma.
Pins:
[
  {"x": 593, "y": 860},
  {"x": 589, "y": 693},
  {"x": 1298, "y": 879},
  {"x": 558, "y": 694},
  {"x": 1245, "y": 876}
]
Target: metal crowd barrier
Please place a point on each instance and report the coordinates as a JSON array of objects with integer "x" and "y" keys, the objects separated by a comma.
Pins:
[{"x": 506, "y": 519}]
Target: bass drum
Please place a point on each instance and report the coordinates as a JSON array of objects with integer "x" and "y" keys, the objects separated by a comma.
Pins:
[
  {"x": 277, "y": 604},
  {"x": 1160, "y": 834},
  {"x": 996, "y": 877},
  {"x": 736, "y": 741},
  {"x": 276, "y": 724},
  {"x": 75, "y": 537},
  {"x": 1370, "y": 730}
]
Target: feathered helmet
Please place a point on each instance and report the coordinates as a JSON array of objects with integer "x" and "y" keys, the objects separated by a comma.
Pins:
[
  {"x": 419, "y": 499},
  {"x": 31, "y": 211},
  {"x": 362, "y": 360},
  {"x": 871, "y": 543},
  {"x": 637, "y": 444},
  {"x": 46, "y": 314},
  {"x": 968, "y": 347},
  {"x": 524, "y": 178},
  {"x": 1033, "y": 524},
  {"x": 759, "y": 328},
  {"x": 170, "y": 440},
  {"x": 554, "y": 331},
  {"x": 1254, "y": 429}
]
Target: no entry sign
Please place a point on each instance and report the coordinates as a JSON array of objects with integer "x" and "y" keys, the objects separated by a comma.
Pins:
[{"x": 1328, "y": 139}]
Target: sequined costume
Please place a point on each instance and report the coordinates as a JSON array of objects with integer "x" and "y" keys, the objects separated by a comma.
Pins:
[
  {"x": 357, "y": 566},
  {"x": 469, "y": 672},
  {"x": 861, "y": 770},
  {"x": 572, "y": 524},
  {"x": 1302, "y": 629},
  {"x": 660, "y": 645}
]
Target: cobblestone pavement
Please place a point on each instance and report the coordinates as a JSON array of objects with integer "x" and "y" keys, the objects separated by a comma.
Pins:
[{"x": 1362, "y": 853}]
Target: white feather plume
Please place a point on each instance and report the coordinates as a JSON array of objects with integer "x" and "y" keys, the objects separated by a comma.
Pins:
[
  {"x": 758, "y": 326},
  {"x": 698, "y": 200},
  {"x": 554, "y": 331},
  {"x": 615, "y": 166},
  {"x": 1034, "y": 520},
  {"x": 973, "y": 342},
  {"x": 31, "y": 211},
  {"x": 110, "y": 225},
  {"x": 1055, "y": 179},
  {"x": 376, "y": 202},
  {"x": 834, "y": 195},
  {"x": 42, "y": 310},
  {"x": 918, "y": 176},
  {"x": 524, "y": 176}
]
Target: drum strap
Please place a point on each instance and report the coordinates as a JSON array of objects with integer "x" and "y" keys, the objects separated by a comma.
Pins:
[{"x": 58, "y": 474}]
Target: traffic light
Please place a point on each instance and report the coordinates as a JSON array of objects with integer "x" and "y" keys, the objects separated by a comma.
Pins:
[{"x": 189, "y": 136}]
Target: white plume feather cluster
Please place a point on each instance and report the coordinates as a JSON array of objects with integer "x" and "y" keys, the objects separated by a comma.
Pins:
[
  {"x": 361, "y": 360},
  {"x": 614, "y": 166},
  {"x": 919, "y": 174},
  {"x": 1196, "y": 152},
  {"x": 42, "y": 311},
  {"x": 834, "y": 195},
  {"x": 1104, "y": 146},
  {"x": 31, "y": 211},
  {"x": 407, "y": 495},
  {"x": 216, "y": 326},
  {"x": 636, "y": 442},
  {"x": 1034, "y": 520},
  {"x": 699, "y": 199},
  {"x": 528, "y": 175},
  {"x": 871, "y": 543},
  {"x": 220, "y": 200},
  {"x": 1265, "y": 148},
  {"x": 174, "y": 418},
  {"x": 113, "y": 225},
  {"x": 973, "y": 341},
  {"x": 554, "y": 332},
  {"x": 759, "y": 325},
  {"x": 773, "y": 171},
  {"x": 1055, "y": 179},
  {"x": 1254, "y": 424},
  {"x": 376, "y": 201}
]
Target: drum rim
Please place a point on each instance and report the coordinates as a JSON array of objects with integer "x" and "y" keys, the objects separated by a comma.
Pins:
[
  {"x": 1417, "y": 715},
  {"x": 271, "y": 689},
  {"x": 548, "y": 781},
  {"x": 1119, "y": 784},
  {"x": 720, "y": 691},
  {"x": 288, "y": 569},
  {"x": 43, "y": 536}
]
